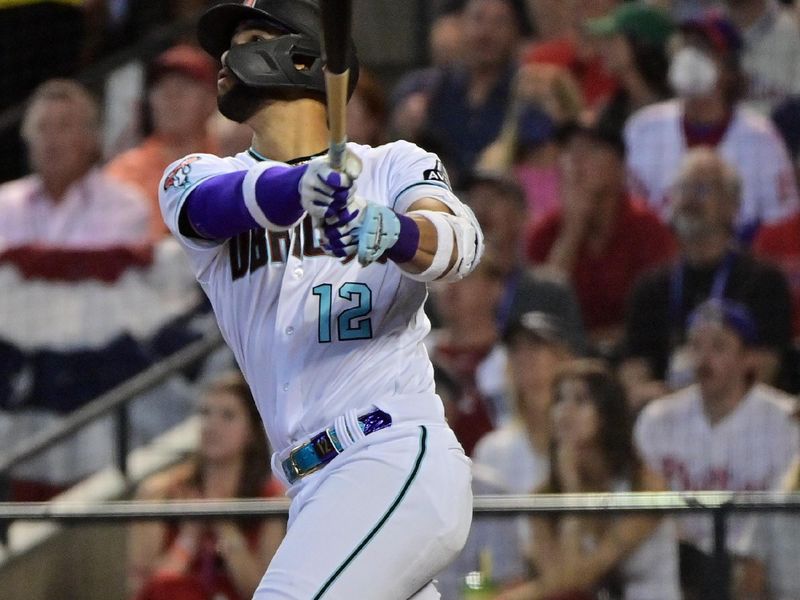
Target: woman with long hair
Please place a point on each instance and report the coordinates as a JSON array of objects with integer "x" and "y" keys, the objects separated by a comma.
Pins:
[
  {"x": 577, "y": 557},
  {"x": 205, "y": 560}
]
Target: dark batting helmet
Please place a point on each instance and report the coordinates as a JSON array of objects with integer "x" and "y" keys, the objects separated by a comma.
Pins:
[{"x": 271, "y": 65}]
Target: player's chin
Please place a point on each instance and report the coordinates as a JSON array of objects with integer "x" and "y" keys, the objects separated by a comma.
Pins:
[{"x": 240, "y": 103}]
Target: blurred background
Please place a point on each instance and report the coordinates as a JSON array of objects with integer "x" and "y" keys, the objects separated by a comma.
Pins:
[{"x": 633, "y": 327}]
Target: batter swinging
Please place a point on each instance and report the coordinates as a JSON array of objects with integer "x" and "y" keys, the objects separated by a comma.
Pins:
[{"x": 318, "y": 288}]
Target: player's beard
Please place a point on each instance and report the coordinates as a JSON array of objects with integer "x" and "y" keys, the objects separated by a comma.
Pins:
[{"x": 241, "y": 102}]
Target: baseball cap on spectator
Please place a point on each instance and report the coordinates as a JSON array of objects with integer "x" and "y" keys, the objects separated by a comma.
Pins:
[
  {"x": 645, "y": 23},
  {"x": 536, "y": 326},
  {"x": 718, "y": 30},
  {"x": 726, "y": 313},
  {"x": 186, "y": 60}
]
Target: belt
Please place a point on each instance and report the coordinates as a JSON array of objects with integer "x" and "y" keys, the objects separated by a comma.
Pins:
[{"x": 325, "y": 446}]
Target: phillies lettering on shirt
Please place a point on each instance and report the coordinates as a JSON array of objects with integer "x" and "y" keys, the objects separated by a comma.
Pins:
[{"x": 749, "y": 449}]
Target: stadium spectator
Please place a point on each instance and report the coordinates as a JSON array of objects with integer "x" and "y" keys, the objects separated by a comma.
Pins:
[
  {"x": 592, "y": 451},
  {"x": 771, "y": 56},
  {"x": 514, "y": 458},
  {"x": 499, "y": 204},
  {"x": 26, "y": 63},
  {"x": 705, "y": 72},
  {"x": 181, "y": 97},
  {"x": 465, "y": 346},
  {"x": 517, "y": 453},
  {"x": 766, "y": 555},
  {"x": 633, "y": 40},
  {"x": 411, "y": 94},
  {"x": 725, "y": 432},
  {"x": 564, "y": 43},
  {"x": 366, "y": 111},
  {"x": 467, "y": 102},
  {"x": 67, "y": 201},
  {"x": 705, "y": 201},
  {"x": 206, "y": 560},
  {"x": 601, "y": 239},
  {"x": 544, "y": 97}
]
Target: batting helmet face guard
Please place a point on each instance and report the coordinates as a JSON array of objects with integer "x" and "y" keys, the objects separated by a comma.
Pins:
[{"x": 273, "y": 65}]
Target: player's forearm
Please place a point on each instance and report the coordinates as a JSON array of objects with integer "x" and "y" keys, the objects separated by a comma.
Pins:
[
  {"x": 427, "y": 245},
  {"x": 231, "y": 203},
  {"x": 446, "y": 246}
]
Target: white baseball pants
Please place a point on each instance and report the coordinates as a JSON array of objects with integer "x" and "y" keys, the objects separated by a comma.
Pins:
[{"x": 378, "y": 522}]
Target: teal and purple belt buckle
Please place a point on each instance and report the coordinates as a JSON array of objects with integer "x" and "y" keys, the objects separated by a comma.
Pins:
[{"x": 325, "y": 446}]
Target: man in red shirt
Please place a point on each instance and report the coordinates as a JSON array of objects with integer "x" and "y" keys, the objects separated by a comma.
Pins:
[{"x": 601, "y": 238}]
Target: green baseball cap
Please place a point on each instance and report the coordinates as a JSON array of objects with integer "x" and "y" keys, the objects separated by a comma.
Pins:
[{"x": 641, "y": 21}]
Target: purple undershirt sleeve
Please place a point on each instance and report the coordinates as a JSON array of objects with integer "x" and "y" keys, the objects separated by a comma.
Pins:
[{"x": 217, "y": 209}]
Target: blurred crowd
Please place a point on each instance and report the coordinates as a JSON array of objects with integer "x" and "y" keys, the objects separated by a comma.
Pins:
[{"x": 633, "y": 326}]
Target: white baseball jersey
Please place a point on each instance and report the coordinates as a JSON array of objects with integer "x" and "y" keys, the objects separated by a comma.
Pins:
[
  {"x": 319, "y": 340},
  {"x": 315, "y": 337},
  {"x": 749, "y": 450},
  {"x": 656, "y": 146}
]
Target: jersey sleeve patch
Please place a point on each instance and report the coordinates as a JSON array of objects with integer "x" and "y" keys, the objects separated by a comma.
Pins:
[
  {"x": 178, "y": 177},
  {"x": 437, "y": 173}
]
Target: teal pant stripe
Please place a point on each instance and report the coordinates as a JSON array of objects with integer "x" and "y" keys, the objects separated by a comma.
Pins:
[{"x": 371, "y": 534}]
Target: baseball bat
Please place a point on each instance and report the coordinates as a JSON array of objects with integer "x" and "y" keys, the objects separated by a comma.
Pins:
[{"x": 336, "y": 17}]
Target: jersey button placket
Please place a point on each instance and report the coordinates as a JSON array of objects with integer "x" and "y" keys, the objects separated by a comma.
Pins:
[{"x": 290, "y": 330}]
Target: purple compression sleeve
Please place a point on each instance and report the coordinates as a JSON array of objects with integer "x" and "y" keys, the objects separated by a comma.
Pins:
[{"x": 217, "y": 210}]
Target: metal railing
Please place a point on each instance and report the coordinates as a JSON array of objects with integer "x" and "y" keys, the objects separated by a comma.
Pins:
[
  {"x": 114, "y": 401},
  {"x": 720, "y": 505}
]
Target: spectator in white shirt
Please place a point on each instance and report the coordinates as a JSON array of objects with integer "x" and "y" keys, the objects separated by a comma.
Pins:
[
  {"x": 706, "y": 74},
  {"x": 66, "y": 201},
  {"x": 723, "y": 433}
]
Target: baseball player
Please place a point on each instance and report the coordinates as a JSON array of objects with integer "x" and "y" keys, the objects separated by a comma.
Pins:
[{"x": 318, "y": 279}]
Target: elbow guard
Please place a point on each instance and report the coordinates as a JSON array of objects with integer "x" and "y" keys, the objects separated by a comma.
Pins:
[{"x": 452, "y": 230}]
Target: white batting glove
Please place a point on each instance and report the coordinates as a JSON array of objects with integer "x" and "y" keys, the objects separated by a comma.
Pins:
[{"x": 324, "y": 193}]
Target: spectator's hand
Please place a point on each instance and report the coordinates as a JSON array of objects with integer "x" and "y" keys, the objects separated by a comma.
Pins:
[
  {"x": 568, "y": 469},
  {"x": 230, "y": 540},
  {"x": 577, "y": 202},
  {"x": 189, "y": 535},
  {"x": 551, "y": 88}
]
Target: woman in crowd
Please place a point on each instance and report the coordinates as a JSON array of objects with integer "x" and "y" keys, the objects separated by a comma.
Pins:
[
  {"x": 576, "y": 556},
  {"x": 205, "y": 560}
]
